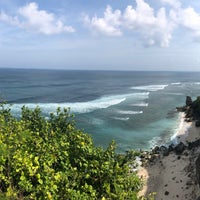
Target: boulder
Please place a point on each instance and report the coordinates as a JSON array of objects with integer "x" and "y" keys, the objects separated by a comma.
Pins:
[
  {"x": 188, "y": 101},
  {"x": 197, "y": 123},
  {"x": 156, "y": 150},
  {"x": 194, "y": 144},
  {"x": 179, "y": 148},
  {"x": 164, "y": 151},
  {"x": 171, "y": 147}
]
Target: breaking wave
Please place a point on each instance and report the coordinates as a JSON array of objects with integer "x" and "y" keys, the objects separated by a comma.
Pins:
[
  {"x": 129, "y": 112},
  {"x": 81, "y": 107},
  {"x": 121, "y": 118},
  {"x": 140, "y": 104},
  {"x": 150, "y": 88},
  {"x": 176, "y": 83}
]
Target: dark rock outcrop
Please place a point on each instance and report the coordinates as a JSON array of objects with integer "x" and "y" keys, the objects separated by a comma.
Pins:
[
  {"x": 192, "y": 145},
  {"x": 179, "y": 148},
  {"x": 197, "y": 123},
  {"x": 198, "y": 170},
  {"x": 191, "y": 110},
  {"x": 188, "y": 101}
]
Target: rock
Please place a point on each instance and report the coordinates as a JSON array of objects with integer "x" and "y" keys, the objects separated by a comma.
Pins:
[
  {"x": 189, "y": 183},
  {"x": 197, "y": 165},
  {"x": 186, "y": 153},
  {"x": 164, "y": 151},
  {"x": 166, "y": 193},
  {"x": 197, "y": 123},
  {"x": 188, "y": 101},
  {"x": 171, "y": 147},
  {"x": 181, "y": 109},
  {"x": 188, "y": 120},
  {"x": 192, "y": 145},
  {"x": 198, "y": 198},
  {"x": 179, "y": 148},
  {"x": 156, "y": 150}
]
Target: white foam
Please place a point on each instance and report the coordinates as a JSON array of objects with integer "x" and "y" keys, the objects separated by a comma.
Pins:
[
  {"x": 141, "y": 94},
  {"x": 182, "y": 129},
  {"x": 151, "y": 88},
  {"x": 155, "y": 142},
  {"x": 97, "y": 121},
  {"x": 78, "y": 107},
  {"x": 121, "y": 118},
  {"x": 129, "y": 112},
  {"x": 140, "y": 104},
  {"x": 196, "y": 83},
  {"x": 83, "y": 107},
  {"x": 176, "y": 83}
]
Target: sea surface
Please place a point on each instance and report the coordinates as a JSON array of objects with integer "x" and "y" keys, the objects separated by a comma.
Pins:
[{"x": 136, "y": 109}]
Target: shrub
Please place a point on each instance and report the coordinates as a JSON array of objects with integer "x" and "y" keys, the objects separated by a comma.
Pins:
[{"x": 51, "y": 159}]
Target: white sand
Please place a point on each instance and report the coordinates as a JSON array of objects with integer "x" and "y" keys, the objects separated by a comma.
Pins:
[{"x": 169, "y": 176}]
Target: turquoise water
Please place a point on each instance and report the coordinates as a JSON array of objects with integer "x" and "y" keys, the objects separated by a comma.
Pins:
[{"x": 136, "y": 109}]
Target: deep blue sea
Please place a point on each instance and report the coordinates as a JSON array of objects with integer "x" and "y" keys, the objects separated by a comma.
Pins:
[{"x": 136, "y": 109}]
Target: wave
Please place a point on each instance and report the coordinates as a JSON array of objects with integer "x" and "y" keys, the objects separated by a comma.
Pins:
[
  {"x": 121, "y": 118},
  {"x": 140, "y": 104},
  {"x": 151, "y": 88},
  {"x": 175, "y": 94},
  {"x": 97, "y": 121},
  {"x": 156, "y": 141},
  {"x": 196, "y": 83},
  {"x": 182, "y": 129},
  {"x": 129, "y": 112},
  {"x": 81, "y": 107},
  {"x": 176, "y": 83}
]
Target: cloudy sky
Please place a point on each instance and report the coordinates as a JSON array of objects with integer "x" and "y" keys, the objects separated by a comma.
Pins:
[{"x": 107, "y": 35}]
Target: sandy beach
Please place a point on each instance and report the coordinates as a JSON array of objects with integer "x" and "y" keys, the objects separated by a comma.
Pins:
[{"x": 172, "y": 177}]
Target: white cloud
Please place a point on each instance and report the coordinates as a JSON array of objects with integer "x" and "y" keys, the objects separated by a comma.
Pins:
[
  {"x": 173, "y": 3},
  {"x": 33, "y": 19},
  {"x": 107, "y": 25},
  {"x": 190, "y": 19},
  {"x": 42, "y": 21},
  {"x": 187, "y": 18},
  {"x": 154, "y": 29},
  {"x": 9, "y": 19}
]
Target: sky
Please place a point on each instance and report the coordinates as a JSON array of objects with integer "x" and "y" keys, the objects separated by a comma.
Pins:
[{"x": 100, "y": 35}]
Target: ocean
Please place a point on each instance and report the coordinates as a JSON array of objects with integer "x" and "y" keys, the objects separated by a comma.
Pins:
[{"x": 136, "y": 109}]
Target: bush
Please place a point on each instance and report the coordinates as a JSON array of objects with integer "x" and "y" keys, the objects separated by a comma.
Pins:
[{"x": 52, "y": 159}]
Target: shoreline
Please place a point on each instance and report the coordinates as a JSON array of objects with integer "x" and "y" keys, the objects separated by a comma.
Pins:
[
  {"x": 182, "y": 132},
  {"x": 172, "y": 176}
]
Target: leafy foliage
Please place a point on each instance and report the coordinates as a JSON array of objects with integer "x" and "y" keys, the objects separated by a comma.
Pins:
[{"x": 51, "y": 159}]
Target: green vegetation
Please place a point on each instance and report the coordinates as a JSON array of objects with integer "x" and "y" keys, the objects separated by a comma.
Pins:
[{"x": 51, "y": 159}]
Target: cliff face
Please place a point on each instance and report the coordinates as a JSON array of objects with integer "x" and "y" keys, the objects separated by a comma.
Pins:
[
  {"x": 191, "y": 110},
  {"x": 192, "y": 113}
]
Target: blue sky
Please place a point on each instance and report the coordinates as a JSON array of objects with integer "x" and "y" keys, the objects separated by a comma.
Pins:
[{"x": 105, "y": 35}]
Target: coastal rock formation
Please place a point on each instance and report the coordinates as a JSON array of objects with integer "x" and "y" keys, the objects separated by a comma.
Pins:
[
  {"x": 179, "y": 148},
  {"x": 198, "y": 169},
  {"x": 188, "y": 101},
  {"x": 197, "y": 123},
  {"x": 191, "y": 110},
  {"x": 174, "y": 171}
]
